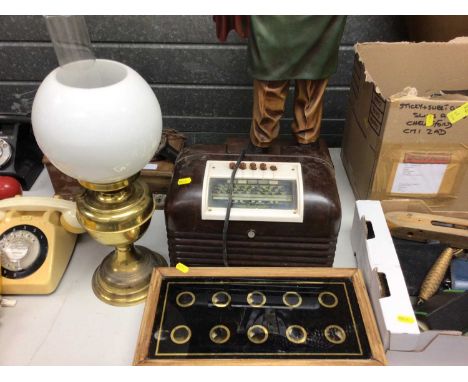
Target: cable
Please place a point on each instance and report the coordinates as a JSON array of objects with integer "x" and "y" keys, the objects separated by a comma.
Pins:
[{"x": 228, "y": 207}]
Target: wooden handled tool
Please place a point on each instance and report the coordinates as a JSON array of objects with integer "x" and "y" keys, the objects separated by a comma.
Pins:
[
  {"x": 436, "y": 274},
  {"x": 424, "y": 227}
]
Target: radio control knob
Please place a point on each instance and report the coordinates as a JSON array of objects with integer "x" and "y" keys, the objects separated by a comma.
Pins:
[
  {"x": 232, "y": 165},
  {"x": 273, "y": 167},
  {"x": 263, "y": 166},
  {"x": 253, "y": 166},
  {"x": 242, "y": 166}
]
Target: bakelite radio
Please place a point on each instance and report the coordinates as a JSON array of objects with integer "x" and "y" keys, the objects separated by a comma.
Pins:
[{"x": 285, "y": 207}]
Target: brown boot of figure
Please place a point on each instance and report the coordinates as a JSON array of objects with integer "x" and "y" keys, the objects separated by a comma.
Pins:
[
  {"x": 308, "y": 101},
  {"x": 268, "y": 108}
]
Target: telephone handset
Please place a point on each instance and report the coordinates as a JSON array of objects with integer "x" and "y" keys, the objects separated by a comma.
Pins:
[{"x": 37, "y": 238}]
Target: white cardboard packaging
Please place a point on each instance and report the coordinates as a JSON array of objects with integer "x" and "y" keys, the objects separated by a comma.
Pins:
[{"x": 375, "y": 253}]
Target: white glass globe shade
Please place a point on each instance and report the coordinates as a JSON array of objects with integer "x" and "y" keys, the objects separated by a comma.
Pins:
[{"x": 97, "y": 121}]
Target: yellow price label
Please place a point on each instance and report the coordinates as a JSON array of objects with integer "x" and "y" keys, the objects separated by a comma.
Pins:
[
  {"x": 406, "y": 319},
  {"x": 183, "y": 181},
  {"x": 459, "y": 113},
  {"x": 429, "y": 120},
  {"x": 182, "y": 267}
]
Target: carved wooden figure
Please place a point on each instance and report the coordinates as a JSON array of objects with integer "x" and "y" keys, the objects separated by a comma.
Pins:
[{"x": 281, "y": 49}]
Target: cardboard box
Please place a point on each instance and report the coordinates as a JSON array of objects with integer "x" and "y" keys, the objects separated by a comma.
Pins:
[
  {"x": 419, "y": 206},
  {"x": 376, "y": 257},
  {"x": 406, "y": 134}
]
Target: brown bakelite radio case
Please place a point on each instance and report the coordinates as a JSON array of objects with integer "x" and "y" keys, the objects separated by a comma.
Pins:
[{"x": 195, "y": 241}]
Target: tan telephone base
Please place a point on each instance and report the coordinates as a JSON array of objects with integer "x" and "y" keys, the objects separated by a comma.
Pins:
[{"x": 37, "y": 238}]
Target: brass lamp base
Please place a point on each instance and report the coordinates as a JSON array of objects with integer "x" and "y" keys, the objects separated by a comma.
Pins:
[
  {"x": 118, "y": 214},
  {"x": 123, "y": 277}
]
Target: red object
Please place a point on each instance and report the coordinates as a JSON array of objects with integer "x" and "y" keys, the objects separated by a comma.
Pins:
[
  {"x": 9, "y": 187},
  {"x": 224, "y": 24}
]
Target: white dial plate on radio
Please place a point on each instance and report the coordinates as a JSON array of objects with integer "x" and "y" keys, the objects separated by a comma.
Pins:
[{"x": 263, "y": 191}]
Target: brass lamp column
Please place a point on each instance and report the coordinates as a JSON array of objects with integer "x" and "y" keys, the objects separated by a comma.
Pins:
[{"x": 118, "y": 214}]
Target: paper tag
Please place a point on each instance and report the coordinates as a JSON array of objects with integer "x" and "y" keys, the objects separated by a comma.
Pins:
[
  {"x": 7, "y": 303},
  {"x": 183, "y": 181},
  {"x": 429, "y": 120},
  {"x": 417, "y": 178},
  {"x": 459, "y": 113},
  {"x": 428, "y": 157},
  {"x": 182, "y": 267},
  {"x": 151, "y": 166},
  {"x": 406, "y": 319}
]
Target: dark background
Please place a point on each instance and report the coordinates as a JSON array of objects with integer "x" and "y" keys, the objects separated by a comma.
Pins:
[{"x": 202, "y": 85}]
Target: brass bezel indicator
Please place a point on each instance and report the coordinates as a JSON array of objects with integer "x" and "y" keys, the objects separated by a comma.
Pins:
[
  {"x": 290, "y": 304},
  {"x": 219, "y": 339},
  {"x": 221, "y": 304},
  {"x": 251, "y": 299},
  {"x": 321, "y": 299},
  {"x": 185, "y": 339},
  {"x": 293, "y": 339},
  {"x": 251, "y": 335},
  {"x": 187, "y": 304},
  {"x": 339, "y": 332}
]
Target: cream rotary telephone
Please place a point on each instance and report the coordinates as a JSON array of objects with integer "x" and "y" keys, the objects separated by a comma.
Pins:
[{"x": 37, "y": 238}]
